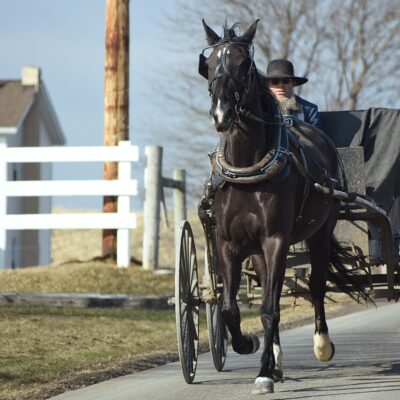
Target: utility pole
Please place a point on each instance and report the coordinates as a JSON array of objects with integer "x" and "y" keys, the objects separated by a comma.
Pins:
[{"x": 116, "y": 100}]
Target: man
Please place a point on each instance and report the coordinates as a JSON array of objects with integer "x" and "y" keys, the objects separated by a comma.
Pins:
[{"x": 281, "y": 81}]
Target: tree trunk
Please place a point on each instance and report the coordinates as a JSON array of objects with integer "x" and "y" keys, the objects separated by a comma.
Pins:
[{"x": 116, "y": 99}]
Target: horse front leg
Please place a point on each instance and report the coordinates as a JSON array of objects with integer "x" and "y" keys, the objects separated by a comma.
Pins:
[
  {"x": 275, "y": 251},
  {"x": 320, "y": 249},
  {"x": 231, "y": 276},
  {"x": 258, "y": 262}
]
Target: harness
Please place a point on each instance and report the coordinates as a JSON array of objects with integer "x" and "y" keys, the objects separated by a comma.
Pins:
[
  {"x": 275, "y": 165},
  {"x": 222, "y": 70}
]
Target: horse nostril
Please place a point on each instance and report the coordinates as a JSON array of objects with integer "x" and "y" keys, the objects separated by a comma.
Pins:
[{"x": 228, "y": 116}]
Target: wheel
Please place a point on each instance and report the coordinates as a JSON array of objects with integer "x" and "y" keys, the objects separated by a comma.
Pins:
[
  {"x": 187, "y": 302},
  {"x": 217, "y": 335}
]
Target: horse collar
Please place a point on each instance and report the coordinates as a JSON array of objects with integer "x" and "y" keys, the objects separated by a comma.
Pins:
[{"x": 273, "y": 163}]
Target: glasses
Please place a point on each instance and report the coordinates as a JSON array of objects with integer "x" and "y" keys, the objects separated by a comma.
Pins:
[{"x": 277, "y": 81}]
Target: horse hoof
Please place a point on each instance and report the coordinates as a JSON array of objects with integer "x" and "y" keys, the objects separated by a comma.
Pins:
[
  {"x": 256, "y": 343},
  {"x": 263, "y": 385},
  {"x": 277, "y": 374},
  {"x": 324, "y": 349}
]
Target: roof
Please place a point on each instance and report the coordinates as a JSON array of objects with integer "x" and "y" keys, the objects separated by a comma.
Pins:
[{"x": 16, "y": 101}]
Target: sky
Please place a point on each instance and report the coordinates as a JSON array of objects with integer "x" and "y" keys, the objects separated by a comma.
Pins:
[{"x": 65, "y": 38}]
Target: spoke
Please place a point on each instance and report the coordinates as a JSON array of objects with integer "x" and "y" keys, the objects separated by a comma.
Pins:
[
  {"x": 196, "y": 311},
  {"x": 184, "y": 328},
  {"x": 183, "y": 263},
  {"x": 184, "y": 255},
  {"x": 187, "y": 247},
  {"x": 191, "y": 349},
  {"x": 183, "y": 309},
  {"x": 192, "y": 328}
]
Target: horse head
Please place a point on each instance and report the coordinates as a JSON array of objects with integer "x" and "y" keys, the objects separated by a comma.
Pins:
[{"x": 229, "y": 68}]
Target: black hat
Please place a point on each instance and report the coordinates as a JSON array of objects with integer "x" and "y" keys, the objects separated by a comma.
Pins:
[{"x": 284, "y": 69}]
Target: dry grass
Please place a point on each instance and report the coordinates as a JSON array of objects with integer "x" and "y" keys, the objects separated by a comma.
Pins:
[
  {"x": 43, "y": 348},
  {"x": 91, "y": 277},
  {"x": 75, "y": 270},
  {"x": 83, "y": 245},
  {"x": 48, "y": 348}
]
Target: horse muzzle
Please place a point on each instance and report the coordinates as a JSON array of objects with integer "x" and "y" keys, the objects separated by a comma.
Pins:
[{"x": 223, "y": 120}]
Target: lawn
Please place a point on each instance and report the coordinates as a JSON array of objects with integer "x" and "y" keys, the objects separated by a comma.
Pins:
[
  {"x": 89, "y": 277},
  {"x": 43, "y": 347},
  {"x": 47, "y": 350}
]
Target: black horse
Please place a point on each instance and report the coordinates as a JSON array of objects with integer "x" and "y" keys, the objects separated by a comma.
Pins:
[{"x": 268, "y": 201}]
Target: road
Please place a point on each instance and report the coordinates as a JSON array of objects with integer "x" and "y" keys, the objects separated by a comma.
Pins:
[{"x": 366, "y": 366}]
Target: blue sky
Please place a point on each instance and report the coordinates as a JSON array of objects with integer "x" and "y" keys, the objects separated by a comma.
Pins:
[{"x": 66, "y": 39}]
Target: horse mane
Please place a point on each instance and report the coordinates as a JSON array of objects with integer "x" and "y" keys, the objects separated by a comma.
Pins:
[
  {"x": 229, "y": 33},
  {"x": 270, "y": 104}
]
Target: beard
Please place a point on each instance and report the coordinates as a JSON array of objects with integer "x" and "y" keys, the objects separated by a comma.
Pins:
[{"x": 289, "y": 104}]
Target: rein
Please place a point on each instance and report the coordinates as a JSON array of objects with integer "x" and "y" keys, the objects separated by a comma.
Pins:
[
  {"x": 240, "y": 99},
  {"x": 275, "y": 160}
]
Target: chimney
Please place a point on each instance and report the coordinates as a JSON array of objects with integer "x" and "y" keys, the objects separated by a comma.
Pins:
[{"x": 31, "y": 76}]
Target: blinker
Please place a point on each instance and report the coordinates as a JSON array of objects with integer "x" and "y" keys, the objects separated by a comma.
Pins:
[{"x": 203, "y": 69}]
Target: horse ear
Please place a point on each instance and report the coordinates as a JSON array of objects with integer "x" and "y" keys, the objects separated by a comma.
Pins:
[
  {"x": 248, "y": 36},
  {"x": 211, "y": 36}
]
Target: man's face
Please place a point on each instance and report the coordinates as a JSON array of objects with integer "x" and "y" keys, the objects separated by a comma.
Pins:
[{"x": 281, "y": 87}]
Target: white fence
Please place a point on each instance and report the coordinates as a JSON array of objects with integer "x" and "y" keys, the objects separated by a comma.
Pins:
[{"x": 124, "y": 187}]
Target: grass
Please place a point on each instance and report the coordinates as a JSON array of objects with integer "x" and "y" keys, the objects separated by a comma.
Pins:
[
  {"x": 91, "y": 277},
  {"x": 42, "y": 348},
  {"x": 48, "y": 350},
  {"x": 70, "y": 246}
]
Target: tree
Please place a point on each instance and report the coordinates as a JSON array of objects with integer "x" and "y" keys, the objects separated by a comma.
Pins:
[
  {"x": 349, "y": 50},
  {"x": 364, "y": 45}
]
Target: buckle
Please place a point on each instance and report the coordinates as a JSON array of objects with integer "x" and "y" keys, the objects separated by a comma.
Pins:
[{"x": 287, "y": 121}]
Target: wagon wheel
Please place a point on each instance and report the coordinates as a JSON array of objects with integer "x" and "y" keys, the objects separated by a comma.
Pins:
[
  {"x": 187, "y": 302},
  {"x": 217, "y": 335}
]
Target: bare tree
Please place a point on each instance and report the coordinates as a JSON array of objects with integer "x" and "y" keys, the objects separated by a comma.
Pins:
[
  {"x": 280, "y": 33},
  {"x": 364, "y": 43},
  {"x": 348, "y": 49}
]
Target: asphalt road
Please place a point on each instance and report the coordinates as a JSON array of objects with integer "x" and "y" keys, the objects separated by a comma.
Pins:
[{"x": 366, "y": 366}]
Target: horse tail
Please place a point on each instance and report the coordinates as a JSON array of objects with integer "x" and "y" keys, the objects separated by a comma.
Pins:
[{"x": 345, "y": 278}]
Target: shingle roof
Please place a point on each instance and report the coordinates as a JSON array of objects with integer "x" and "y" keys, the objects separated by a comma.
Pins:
[{"x": 14, "y": 101}]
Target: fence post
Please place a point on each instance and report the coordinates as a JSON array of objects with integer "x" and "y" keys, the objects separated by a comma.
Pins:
[
  {"x": 3, "y": 200},
  {"x": 179, "y": 199},
  {"x": 123, "y": 235},
  {"x": 151, "y": 210}
]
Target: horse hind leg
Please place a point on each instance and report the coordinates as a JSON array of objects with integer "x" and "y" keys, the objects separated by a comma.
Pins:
[
  {"x": 231, "y": 275},
  {"x": 320, "y": 250}
]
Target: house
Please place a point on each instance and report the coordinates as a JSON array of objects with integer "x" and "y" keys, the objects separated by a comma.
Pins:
[{"x": 27, "y": 118}]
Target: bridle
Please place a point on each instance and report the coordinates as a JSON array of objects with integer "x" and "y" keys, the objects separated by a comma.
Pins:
[{"x": 241, "y": 86}]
